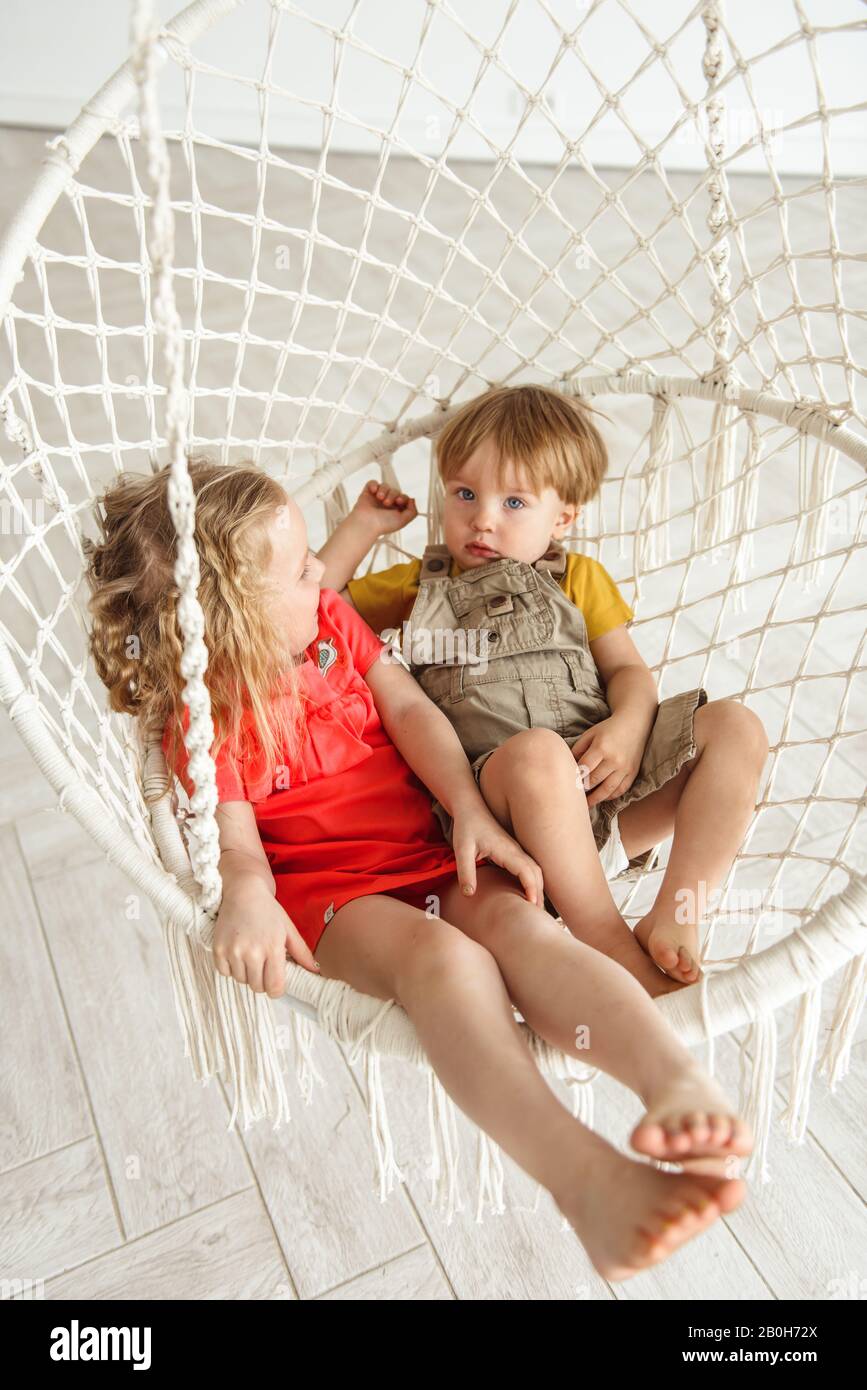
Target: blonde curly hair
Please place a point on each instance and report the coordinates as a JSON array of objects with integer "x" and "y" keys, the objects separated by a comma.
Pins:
[{"x": 135, "y": 638}]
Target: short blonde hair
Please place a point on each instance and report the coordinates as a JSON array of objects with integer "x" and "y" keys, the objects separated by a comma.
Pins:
[{"x": 549, "y": 435}]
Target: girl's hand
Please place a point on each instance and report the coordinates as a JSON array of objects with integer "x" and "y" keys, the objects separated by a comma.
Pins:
[
  {"x": 384, "y": 509},
  {"x": 476, "y": 832},
  {"x": 253, "y": 936},
  {"x": 610, "y": 755}
]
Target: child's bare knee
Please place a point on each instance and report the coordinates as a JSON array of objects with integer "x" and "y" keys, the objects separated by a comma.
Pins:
[
  {"x": 516, "y": 928},
  {"x": 435, "y": 948},
  {"x": 539, "y": 760},
  {"x": 736, "y": 726}
]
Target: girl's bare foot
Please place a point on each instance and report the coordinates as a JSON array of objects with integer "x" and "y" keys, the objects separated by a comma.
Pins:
[
  {"x": 691, "y": 1118},
  {"x": 629, "y": 1216},
  {"x": 673, "y": 945}
]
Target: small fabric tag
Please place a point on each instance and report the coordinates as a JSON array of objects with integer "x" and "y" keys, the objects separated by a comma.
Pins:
[{"x": 500, "y": 603}]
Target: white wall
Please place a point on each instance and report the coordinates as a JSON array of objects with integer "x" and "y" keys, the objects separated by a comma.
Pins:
[{"x": 57, "y": 53}]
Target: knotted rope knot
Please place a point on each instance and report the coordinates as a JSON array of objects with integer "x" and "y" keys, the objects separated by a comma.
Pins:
[
  {"x": 59, "y": 153},
  {"x": 176, "y": 48},
  {"x": 122, "y": 125},
  {"x": 723, "y": 374},
  {"x": 16, "y": 430},
  {"x": 713, "y": 50}
]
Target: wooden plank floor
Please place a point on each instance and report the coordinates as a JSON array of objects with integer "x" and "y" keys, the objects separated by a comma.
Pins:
[{"x": 118, "y": 1178}]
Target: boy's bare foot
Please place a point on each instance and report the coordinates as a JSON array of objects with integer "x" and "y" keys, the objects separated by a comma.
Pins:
[
  {"x": 645, "y": 970},
  {"x": 629, "y": 1216},
  {"x": 673, "y": 945},
  {"x": 656, "y": 982},
  {"x": 621, "y": 945},
  {"x": 691, "y": 1118}
]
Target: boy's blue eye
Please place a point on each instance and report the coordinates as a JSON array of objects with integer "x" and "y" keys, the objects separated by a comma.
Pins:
[
  {"x": 514, "y": 499},
  {"x": 464, "y": 489}
]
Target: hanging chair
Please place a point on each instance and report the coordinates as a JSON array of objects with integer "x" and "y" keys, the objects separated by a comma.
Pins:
[{"x": 317, "y": 283}]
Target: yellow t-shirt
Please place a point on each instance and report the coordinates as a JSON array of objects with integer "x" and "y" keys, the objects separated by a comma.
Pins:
[{"x": 385, "y": 599}]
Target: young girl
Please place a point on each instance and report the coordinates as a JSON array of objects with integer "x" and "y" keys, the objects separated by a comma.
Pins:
[
  {"x": 561, "y": 682},
  {"x": 331, "y": 855}
]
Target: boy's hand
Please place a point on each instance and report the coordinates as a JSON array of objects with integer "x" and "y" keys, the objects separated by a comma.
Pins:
[
  {"x": 477, "y": 832},
  {"x": 384, "y": 509},
  {"x": 253, "y": 936},
  {"x": 609, "y": 755}
]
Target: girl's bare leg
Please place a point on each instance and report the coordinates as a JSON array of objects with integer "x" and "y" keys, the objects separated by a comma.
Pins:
[
  {"x": 531, "y": 785},
  {"x": 627, "y": 1214},
  {"x": 585, "y": 1004},
  {"x": 717, "y": 798}
]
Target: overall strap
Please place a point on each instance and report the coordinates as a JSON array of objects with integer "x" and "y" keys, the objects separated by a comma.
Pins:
[
  {"x": 435, "y": 563},
  {"x": 554, "y": 560}
]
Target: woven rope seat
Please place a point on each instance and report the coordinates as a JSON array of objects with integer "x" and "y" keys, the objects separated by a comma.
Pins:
[{"x": 313, "y": 269}]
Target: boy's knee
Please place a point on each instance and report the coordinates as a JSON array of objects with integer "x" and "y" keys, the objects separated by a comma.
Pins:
[
  {"x": 538, "y": 759},
  {"x": 738, "y": 727}
]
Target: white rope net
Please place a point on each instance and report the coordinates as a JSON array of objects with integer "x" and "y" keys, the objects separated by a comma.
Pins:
[{"x": 330, "y": 282}]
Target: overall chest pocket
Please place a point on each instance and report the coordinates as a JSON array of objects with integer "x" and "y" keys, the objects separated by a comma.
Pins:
[{"x": 506, "y": 612}]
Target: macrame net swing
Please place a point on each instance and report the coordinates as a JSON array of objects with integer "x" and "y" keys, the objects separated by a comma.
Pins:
[{"x": 712, "y": 324}]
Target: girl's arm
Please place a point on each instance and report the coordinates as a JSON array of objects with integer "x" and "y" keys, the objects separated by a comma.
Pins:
[
  {"x": 253, "y": 934},
  {"x": 429, "y": 743},
  {"x": 378, "y": 511},
  {"x": 243, "y": 862}
]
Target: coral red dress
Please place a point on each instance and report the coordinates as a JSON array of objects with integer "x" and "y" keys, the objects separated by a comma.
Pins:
[{"x": 354, "y": 819}]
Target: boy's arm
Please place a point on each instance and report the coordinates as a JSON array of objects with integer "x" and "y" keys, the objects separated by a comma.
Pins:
[{"x": 630, "y": 687}]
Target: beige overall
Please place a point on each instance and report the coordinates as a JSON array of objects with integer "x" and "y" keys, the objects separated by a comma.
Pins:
[{"x": 501, "y": 648}]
